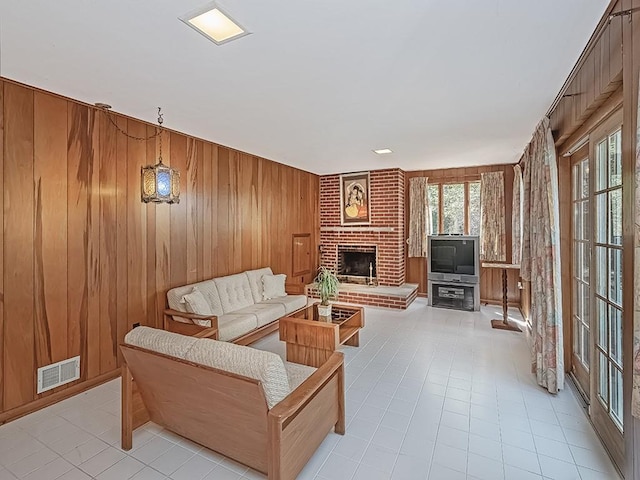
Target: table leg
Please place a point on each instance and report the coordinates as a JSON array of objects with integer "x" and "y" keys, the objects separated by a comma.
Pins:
[
  {"x": 504, "y": 324},
  {"x": 505, "y": 301}
]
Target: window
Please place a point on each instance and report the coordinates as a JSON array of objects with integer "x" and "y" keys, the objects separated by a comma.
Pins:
[{"x": 455, "y": 208}]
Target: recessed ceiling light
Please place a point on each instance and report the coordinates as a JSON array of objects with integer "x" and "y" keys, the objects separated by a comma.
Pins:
[
  {"x": 214, "y": 24},
  {"x": 383, "y": 151}
]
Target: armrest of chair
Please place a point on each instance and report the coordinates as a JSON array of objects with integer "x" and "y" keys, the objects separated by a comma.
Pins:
[
  {"x": 310, "y": 410},
  {"x": 297, "y": 399}
]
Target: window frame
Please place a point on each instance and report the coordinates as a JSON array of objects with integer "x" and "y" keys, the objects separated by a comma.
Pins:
[{"x": 440, "y": 184}]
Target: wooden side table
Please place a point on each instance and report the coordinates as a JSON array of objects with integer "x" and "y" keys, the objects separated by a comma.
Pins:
[{"x": 503, "y": 324}]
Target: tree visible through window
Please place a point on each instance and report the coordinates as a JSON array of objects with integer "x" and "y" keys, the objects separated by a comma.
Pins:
[
  {"x": 434, "y": 208},
  {"x": 473, "y": 209},
  {"x": 459, "y": 211}
]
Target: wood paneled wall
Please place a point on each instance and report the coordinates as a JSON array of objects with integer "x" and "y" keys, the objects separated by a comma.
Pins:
[
  {"x": 598, "y": 76},
  {"x": 490, "y": 278},
  {"x": 83, "y": 259}
]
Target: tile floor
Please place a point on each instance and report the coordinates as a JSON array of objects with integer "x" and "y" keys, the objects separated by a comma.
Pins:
[{"x": 432, "y": 394}]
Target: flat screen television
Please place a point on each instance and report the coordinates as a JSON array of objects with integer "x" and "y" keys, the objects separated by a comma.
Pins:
[{"x": 454, "y": 258}]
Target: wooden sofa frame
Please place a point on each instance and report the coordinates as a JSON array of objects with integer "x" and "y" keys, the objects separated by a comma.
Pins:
[
  {"x": 228, "y": 413},
  {"x": 192, "y": 329}
]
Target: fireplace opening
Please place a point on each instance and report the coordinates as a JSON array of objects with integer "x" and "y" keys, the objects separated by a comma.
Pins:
[{"x": 357, "y": 264}]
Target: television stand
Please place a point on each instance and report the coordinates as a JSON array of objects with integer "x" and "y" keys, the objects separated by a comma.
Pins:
[{"x": 456, "y": 295}]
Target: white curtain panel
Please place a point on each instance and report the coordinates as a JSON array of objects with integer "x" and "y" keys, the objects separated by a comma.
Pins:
[
  {"x": 419, "y": 223},
  {"x": 516, "y": 222},
  {"x": 492, "y": 208},
  {"x": 541, "y": 257}
]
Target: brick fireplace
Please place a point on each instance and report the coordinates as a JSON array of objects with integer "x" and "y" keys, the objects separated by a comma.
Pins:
[
  {"x": 382, "y": 240},
  {"x": 385, "y": 233}
]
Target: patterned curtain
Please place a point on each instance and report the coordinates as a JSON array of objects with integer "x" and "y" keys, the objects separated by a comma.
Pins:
[
  {"x": 516, "y": 222},
  {"x": 541, "y": 257},
  {"x": 492, "y": 230},
  {"x": 635, "y": 399},
  {"x": 419, "y": 223}
]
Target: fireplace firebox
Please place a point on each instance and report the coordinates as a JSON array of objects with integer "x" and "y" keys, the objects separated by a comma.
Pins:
[{"x": 357, "y": 264}]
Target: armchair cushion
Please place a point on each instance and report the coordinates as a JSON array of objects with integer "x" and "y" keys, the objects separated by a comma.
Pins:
[
  {"x": 161, "y": 341},
  {"x": 267, "y": 367},
  {"x": 297, "y": 373}
]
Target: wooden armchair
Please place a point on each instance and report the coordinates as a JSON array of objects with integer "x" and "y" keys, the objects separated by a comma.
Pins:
[{"x": 229, "y": 413}]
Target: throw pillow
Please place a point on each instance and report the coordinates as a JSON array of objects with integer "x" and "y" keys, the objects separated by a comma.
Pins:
[
  {"x": 273, "y": 286},
  {"x": 195, "y": 302}
]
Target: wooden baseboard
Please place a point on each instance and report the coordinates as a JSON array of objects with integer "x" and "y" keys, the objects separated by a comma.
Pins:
[{"x": 43, "y": 402}]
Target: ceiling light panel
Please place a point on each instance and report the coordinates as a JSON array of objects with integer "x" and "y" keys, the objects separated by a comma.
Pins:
[
  {"x": 214, "y": 24},
  {"x": 383, "y": 151}
]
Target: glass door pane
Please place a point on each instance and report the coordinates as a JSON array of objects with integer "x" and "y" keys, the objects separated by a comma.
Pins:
[
  {"x": 581, "y": 290},
  {"x": 608, "y": 283}
]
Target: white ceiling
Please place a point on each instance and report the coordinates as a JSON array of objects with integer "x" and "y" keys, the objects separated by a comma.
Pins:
[{"x": 318, "y": 84}]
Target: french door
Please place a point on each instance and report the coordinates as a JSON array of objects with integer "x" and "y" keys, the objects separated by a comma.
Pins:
[
  {"x": 580, "y": 282},
  {"x": 596, "y": 283},
  {"x": 596, "y": 280},
  {"x": 606, "y": 380}
]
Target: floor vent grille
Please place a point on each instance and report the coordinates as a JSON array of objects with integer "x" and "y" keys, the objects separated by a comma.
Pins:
[{"x": 56, "y": 374}]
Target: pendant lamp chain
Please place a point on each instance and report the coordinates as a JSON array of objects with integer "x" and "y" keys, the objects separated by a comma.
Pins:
[
  {"x": 159, "y": 133},
  {"x": 159, "y": 183}
]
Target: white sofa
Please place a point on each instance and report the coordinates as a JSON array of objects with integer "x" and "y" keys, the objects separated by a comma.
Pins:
[{"x": 237, "y": 306}]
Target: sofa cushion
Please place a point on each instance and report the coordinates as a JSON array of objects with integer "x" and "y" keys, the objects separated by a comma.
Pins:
[
  {"x": 160, "y": 341},
  {"x": 234, "y": 291},
  {"x": 273, "y": 286},
  {"x": 264, "y": 312},
  {"x": 297, "y": 374},
  {"x": 267, "y": 367},
  {"x": 208, "y": 290},
  {"x": 290, "y": 302},
  {"x": 196, "y": 303},
  {"x": 255, "y": 282},
  {"x": 233, "y": 325}
]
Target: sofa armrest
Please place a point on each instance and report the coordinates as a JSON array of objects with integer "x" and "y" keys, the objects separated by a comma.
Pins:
[
  {"x": 168, "y": 312},
  {"x": 190, "y": 329}
]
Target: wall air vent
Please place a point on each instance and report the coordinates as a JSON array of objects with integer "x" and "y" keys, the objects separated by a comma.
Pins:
[{"x": 56, "y": 374}]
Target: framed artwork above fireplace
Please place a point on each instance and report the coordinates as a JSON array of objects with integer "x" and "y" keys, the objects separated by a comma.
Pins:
[{"x": 354, "y": 199}]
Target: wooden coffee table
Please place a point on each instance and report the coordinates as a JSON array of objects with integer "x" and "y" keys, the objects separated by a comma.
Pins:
[{"x": 312, "y": 339}]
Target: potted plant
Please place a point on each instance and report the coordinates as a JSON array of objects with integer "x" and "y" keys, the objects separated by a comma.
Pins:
[{"x": 327, "y": 285}]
